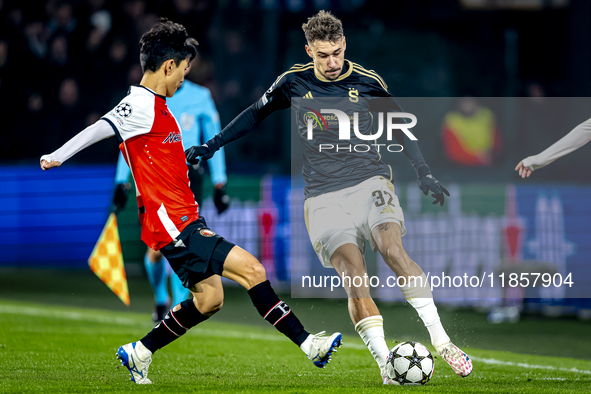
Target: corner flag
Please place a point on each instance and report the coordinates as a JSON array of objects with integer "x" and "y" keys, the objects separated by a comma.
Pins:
[{"x": 106, "y": 260}]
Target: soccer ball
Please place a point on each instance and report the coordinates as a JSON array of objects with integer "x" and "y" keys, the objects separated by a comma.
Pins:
[{"x": 410, "y": 364}]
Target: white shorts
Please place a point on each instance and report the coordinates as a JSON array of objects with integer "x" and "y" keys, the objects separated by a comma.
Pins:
[{"x": 348, "y": 216}]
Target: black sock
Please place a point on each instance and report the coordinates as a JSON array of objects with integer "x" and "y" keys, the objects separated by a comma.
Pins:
[
  {"x": 161, "y": 311},
  {"x": 277, "y": 312},
  {"x": 173, "y": 326}
]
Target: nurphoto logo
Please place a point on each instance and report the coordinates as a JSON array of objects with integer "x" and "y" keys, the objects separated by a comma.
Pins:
[{"x": 321, "y": 121}]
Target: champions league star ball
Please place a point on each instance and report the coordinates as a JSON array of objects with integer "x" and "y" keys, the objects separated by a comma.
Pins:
[{"x": 410, "y": 364}]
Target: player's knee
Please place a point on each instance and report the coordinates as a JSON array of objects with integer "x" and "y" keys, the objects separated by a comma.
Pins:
[
  {"x": 211, "y": 308},
  {"x": 184, "y": 316},
  {"x": 215, "y": 303},
  {"x": 210, "y": 305},
  {"x": 218, "y": 306},
  {"x": 215, "y": 307},
  {"x": 397, "y": 255},
  {"x": 254, "y": 272}
]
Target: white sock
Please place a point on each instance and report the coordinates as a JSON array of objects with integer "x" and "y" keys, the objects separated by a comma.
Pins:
[
  {"x": 418, "y": 294},
  {"x": 306, "y": 344},
  {"x": 371, "y": 330},
  {"x": 142, "y": 352}
]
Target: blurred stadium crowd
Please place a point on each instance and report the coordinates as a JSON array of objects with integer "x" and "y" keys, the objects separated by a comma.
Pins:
[{"x": 64, "y": 63}]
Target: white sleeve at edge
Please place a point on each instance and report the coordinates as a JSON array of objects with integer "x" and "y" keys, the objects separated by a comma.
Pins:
[
  {"x": 90, "y": 135},
  {"x": 578, "y": 137}
]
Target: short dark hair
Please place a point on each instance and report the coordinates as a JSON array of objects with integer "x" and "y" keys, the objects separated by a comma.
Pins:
[
  {"x": 166, "y": 40},
  {"x": 323, "y": 26}
]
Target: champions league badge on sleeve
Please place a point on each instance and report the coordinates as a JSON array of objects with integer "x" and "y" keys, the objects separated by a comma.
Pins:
[{"x": 124, "y": 110}]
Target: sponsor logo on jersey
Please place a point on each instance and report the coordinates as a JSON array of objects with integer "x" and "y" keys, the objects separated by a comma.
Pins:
[
  {"x": 117, "y": 117},
  {"x": 315, "y": 119},
  {"x": 322, "y": 122},
  {"x": 124, "y": 109},
  {"x": 165, "y": 112},
  {"x": 207, "y": 232},
  {"x": 308, "y": 95},
  {"x": 173, "y": 137}
]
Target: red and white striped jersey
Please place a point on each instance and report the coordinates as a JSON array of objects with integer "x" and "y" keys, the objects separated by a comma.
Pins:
[{"x": 152, "y": 147}]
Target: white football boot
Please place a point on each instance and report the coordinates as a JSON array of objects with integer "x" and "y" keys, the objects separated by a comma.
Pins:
[
  {"x": 137, "y": 368},
  {"x": 457, "y": 359},
  {"x": 387, "y": 380},
  {"x": 319, "y": 347}
]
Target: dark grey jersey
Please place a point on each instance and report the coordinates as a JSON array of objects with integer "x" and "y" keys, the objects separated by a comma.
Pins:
[
  {"x": 330, "y": 163},
  {"x": 355, "y": 94}
]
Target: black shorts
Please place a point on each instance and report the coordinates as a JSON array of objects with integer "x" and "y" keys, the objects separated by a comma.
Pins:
[{"x": 202, "y": 255}]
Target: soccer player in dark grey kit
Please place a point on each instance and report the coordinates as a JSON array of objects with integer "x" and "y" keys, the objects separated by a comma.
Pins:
[
  {"x": 151, "y": 143},
  {"x": 349, "y": 194}
]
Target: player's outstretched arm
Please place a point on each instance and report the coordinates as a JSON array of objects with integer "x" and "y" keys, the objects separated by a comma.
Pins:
[
  {"x": 47, "y": 165},
  {"x": 273, "y": 100},
  {"x": 90, "y": 135},
  {"x": 209, "y": 124},
  {"x": 237, "y": 128},
  {"x": 210, "y": 127},
  {"x": 523, "y": 171},
  {"x": 575, "y": 139}
]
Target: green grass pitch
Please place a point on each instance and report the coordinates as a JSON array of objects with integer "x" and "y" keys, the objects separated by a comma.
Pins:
[{"x": 45, "y": 348}]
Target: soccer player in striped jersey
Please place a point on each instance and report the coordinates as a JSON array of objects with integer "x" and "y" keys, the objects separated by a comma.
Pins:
[
  {"x": 151, "y": 142},
  {"x": 349, "y": 195},
  {"x": 199, "y": 121},
  {"x": 575, "y": 139}
]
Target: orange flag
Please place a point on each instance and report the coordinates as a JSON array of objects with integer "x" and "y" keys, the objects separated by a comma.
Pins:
[{"x": 106, "y": 260}]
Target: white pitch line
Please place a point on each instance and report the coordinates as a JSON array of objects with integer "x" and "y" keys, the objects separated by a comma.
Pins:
[
  {"x": 237, "y": 334},
  {"x": 493, "y": 361},
  {"x": 40, "y": 312},
  {"x": 32, "y": 311}
]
